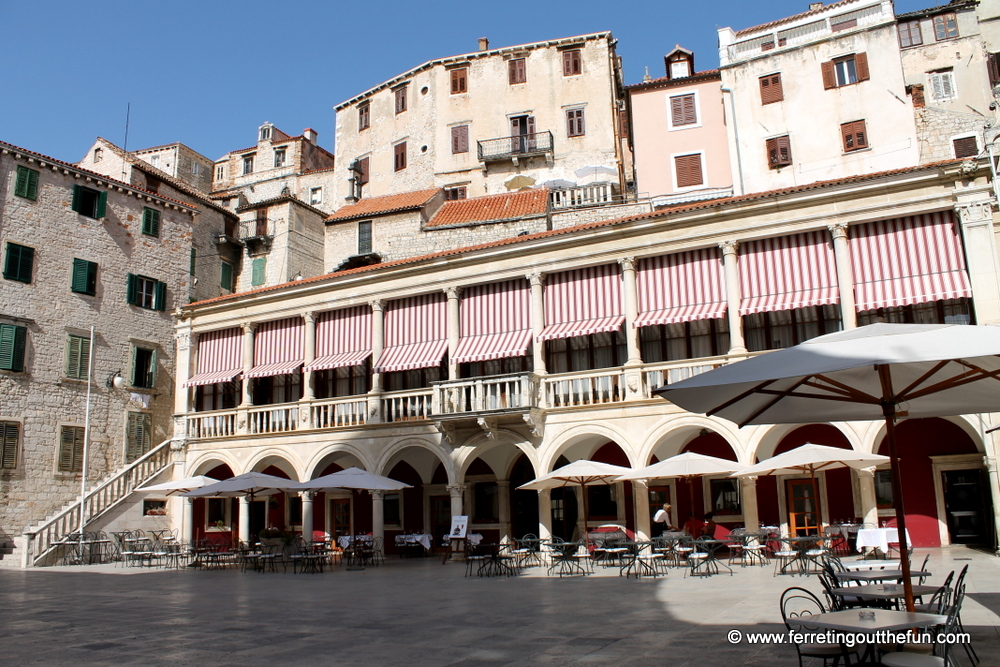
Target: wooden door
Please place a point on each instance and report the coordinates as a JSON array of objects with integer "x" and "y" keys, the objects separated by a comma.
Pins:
[
  {"x": 339, "y": 517},
  {"x": 802, "y": 498},
  {"x": 440, "y": 518}
]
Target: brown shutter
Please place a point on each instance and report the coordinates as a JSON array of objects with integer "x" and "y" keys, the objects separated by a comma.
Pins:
[
  {"x": 516, "y": 71},
  {"x": 770, "y": 89},
  {"x": 688, "y": 168},
  {"x": 458, "y": 81},
  {"x": 777, "y": 92},
  {"x": 784, "y": 150},
  {"x": 860, "y": 134},
  {"x": 689, "y": 113},
  {"x": 861, "y": 66},
  {"x": 460, "y": 139},
  {"x": 765, "y": 89},
  {"x": 829, "y": 76},
  {"x": 772, "y": 153},
  {"x": 847, "y": 136},
  {"x": 400, "y": 156},
  {"x": 567, "y": 65},
  {"x": 676, "y": 112},
  {"x": 363, "y": 167},
  {"x": 571, "y": 63},
  {"x": 966, "y": 147}
]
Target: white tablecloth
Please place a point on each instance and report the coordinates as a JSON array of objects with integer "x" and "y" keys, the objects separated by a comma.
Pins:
[
  {"x": 345, "y": 540},
  {"x": 880, "y": 538},
  {"x": 421, "y": 539}
]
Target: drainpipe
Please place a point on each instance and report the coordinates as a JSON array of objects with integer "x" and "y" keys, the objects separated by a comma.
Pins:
[{"x": 736, "y": 136}]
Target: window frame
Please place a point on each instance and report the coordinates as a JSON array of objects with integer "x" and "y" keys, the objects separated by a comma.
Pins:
[
  {"x": 849, "y": 132},
  {"x": 26, "y": 183},
  {"x": 517, "y": 71},
  {"x": 965, "y": 137},
  {"x": 13, "y": 343},
  {"x": 399, "y": 98},
  {"x": 258, "y": 271},
  {"x": 947, "y": 78},
  {"x": 89, "y": 202},
  {"x": 224, "y": 283},
  {"x": 459, "y": 77},
  {"x": 576, "y": 125},
  {"x": 572, "y": 62},
  {"x": 77, "y": 362},
  {"x": 150, "y": 222},
  {"x": 147, "y": 380},
  {"x": 75, "y": 441},
  {"x": 248, "y": 165},
  {"x": 137, "y": 292},
  {"x": 459, "y": 139},
  {"x": 220, "y": 172},
  {"x": 280, "y": 155},
  {"x": 399, "y": 156},
  {"x": 10, "y": 444},
  {"x": 775, "y": 144},
  {"x": 941, "y": 21},
  {"x": 137, "y": 449},
  {"x": 365, "y": 237},
  {"x": 910, "y": 28},
  {"x": 19, "y": 262},
  {"x": 672, "y": 125},
  {"x": 675, "y": 172},
  {"x": 456, "y": 193},
  {"x": 767, "y": 85},
  {"x": 364, "y": 116},
  {"x": 316, "y": 195},
  {"x": 830, "y": 72}
]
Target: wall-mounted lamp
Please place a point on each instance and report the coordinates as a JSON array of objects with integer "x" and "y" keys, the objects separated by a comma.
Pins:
[{"x": 115, "y": 381}]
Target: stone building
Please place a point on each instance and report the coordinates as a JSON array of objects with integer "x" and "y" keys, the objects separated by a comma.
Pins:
[
  {"x": 82, "y": 250},
  {"x": 483, "y": 123}
]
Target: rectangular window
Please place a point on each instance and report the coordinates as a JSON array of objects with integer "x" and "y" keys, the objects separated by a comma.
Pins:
[
  {"x": 258, "y": 272},
  {"x": 883, "y": 489},
  {"x": 364, "y": 117},
  {"x": 459, "y": 139},
  {"x": 572, "y": 64},
  {"x": 682, "y": 110},
  {"x": 392, "y": 511},
  {"x": 143, "y": 367},
  {"x": 516, "y": 72},
  {"x": 684, "y": 340},
  {"x": 138, "y": 435},
  {"x": 845, "y": 71},
  {"x": 146, "y": 292},
  {"x": 18, "y": 262},
  {"x": 784, "y": 328},
  {"x": 220, "y": 173},
  {"x": 909, "y": 34},
  {"x": 77, "y": 357},
  {"x": 965, "y": 147},
  {"x": 71, "y": 449},
  {"x": 84, "y": 277},
  {"x": 195, "y": 169},
  {"x": 945, "y": 27},
  {"x": 150, "y": 221},
  {"x": 226, "y": 276},
  {"x": 315, "y": 196},
  {"x": 12, "y": 342},
  {"x": 364, "y": 237},
  {"x": 248, "y": 165},
  {"x": 574, "y": 123},
  {"x": 459, "y": 81},
  {"x": 363, "y": 171},
  {"x": 98, "y": 154},
  {"x": 26, "y": 184},
  {"x": 10, "y": 435},
  {"x": 725, "y": 497},
  {"x": 843, "y": 25},
  {"x": 265, "y": 133},
  {"x": 400, "y": 97},
  {"x": 155, "y": 161},
  {"x": 456, "y": 193},
  {"x": 89, "y": 202},
  {"x": 279, "y": 157},
  {"x": 855, "y": 136},
  {"x": 486, "y": 502},
  {"x": 779, "y": 152},
  {"x": 770, "y": 89},
  {"x": 688, "y": 170},
  {"x": 192, "y": 261},
  {"x": 399, "y": 156},
  {"x": 942, "y": 85}
]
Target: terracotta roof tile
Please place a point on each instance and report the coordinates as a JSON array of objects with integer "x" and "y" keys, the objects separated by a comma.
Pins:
[
  {"x": 494, "y": 208},
  {"x": 382, "y": 205},
  {"x": 789, "y": 19},
  {"x": 697, "y": 77},
  {"x": 662, "y": 213}
]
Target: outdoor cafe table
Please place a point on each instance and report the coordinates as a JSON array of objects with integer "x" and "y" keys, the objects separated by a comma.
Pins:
[
  {"x": 854, "y": 566},
  {"x": 878, "y": 575},
  {"x": 422, "y": 539},
  {"x": 849, "y": 620},
  {"x": 345, "y": 541},
  {"x": 800, "y": 545},
  {"x": 881, "y": 592},
  {"x": 878, "y": 538},
  {"x": 712, "y": 562}
]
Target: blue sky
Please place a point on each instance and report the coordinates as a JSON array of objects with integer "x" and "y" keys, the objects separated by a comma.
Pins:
[{"x": 209, "y": 72}]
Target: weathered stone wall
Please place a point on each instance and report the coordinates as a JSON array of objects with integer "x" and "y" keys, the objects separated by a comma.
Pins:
[
  {"x": 936, "y": 128},
  {"x": 573, "y": 217}
]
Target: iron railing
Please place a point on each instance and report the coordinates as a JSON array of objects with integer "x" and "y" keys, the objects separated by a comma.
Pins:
[{"x": 522, "y": 145}]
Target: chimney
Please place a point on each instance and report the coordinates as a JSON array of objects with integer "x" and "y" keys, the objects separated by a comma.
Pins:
[
  {"x": 309, "y": 134},
  {"x": 484, "y": 44},
  {"x": 813, "y": 6}
]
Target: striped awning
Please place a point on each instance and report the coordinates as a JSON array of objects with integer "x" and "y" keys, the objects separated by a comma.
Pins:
[
  {"x": 910, "y": 260},
  {"x": 220, "y": 357},
  {"x": 496, "y": 322},
  {"x": 583, "y": 302},
  {"x": 788, "y": 272},
  {"x": 682, "y": 287},
  {"x": 416, "y": 333},
  {"x": 343, "y": 338},
  {"x": 278, "y": 348}
]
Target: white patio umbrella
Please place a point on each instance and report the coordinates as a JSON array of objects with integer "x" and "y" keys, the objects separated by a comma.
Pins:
[
  {"x": 179, "y": 486},
  {"x": 881, "y": 371},
  {"x": 578, "y": 473},
  {"x": 812, "y": 458},
  {"x": 351, "y": 478},
  {"x": 248, "y": 484}
]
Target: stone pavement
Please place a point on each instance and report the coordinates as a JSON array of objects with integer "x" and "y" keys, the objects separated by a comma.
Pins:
[{"x": 418, "y": 612}]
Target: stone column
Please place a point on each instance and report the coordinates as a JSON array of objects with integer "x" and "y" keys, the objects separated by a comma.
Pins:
[
  {"x": 845, "y": 276},
  {"x": 378, "y": 345},
  {"x": 187, "y": 529},
  {"x": 457, "y": 493},
  {"x": 307, "y": 516},
  {"x": 979, "y": 237},
  {"x": 248, "y": 338},
  {"x": 308, "y": 391},
  {"x": 993, "y": 478},
  {"x": 733, "y": 297},
  {"x": 185, "y": 351},
  {"x": 378, "y": 514},
  {"x": 244, "y": 520},
  {"x": 866, "y": 487},
  {"x": 545, "y": 514},
  {"x": 503, "y": 497},
  {"x": 643, "y": 522},
  {"x": 537, "y": 281},
  {"x": 748, "y": 501},
  {"x": 454, "y": 328},
  {"x": 630, "y": 287}
]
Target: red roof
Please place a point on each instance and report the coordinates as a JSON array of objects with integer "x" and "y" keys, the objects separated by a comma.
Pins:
[
  {"x": 494, "y": 208},
  {"x": 789, "y": 19},
  {"x": 662, "y": 213},
  {"x": 382, "y": 205},
  {"x": 697, "y": 77}
]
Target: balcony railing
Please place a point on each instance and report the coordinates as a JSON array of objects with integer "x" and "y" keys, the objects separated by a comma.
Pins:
[
  {"x": 596, "y": 194},
  {"x": 338, "y": 412},
  {"x": 524, "y": 145},
  {"x": 486, "y": 394},
  {"x": 606, "y": 385},
  {"x": 406, "y": 405},
  {"x": 259, "y": 228}
]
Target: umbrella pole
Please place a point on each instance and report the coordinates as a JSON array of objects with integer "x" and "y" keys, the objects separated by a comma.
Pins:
[
  {"x": 889, "y": 410},
  {"x": 586, "y": 533}
]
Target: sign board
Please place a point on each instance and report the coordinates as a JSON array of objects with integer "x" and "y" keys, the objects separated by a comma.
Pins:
[{"x": 459, "y": 527}]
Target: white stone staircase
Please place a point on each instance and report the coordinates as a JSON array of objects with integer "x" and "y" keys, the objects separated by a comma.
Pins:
[{"x": 39, "y": 541}]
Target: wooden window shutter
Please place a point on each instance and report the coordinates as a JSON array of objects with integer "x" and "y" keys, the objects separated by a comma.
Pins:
[
  {"x": 226, "y": 276},
  {"x": 688, "y": 168},
  {"x": 193, "y": 261},
  {"x": 84, "y": 277},
  {"x": 460, "y": 139},
  {"x": 516, "y": 72},
  {"x": 26, "y": 184},
  {"x": 571, "y": 63},
  {"x": 160, "y": 296},
  {"x": 132, "y": 289},
  {"x": 18, "y": 263},
  {"x": 12, "y": 340},
  {"x": 966, "y": 147},
  {"x": 459, "y": 83},
  {"x": 993, "y": 65},
  {"x": 150, "y": 221},
  {"x": 363, "y": 165},
  {"x": 138, "y": 435},
  {"x": 102, "y": 204},
  {"x": 770, "y": 89},
  {"x": 829, "y": 75},
  {"x": 257, "y": 272},
  {"x": 861, "y": 66},
  {"x": 77, "y": 357},
  {"x": 855, "y": 135},
  {"x": 399, "y": 156},
  {"x": 77, "y": 194},
  {"x": 9, "y": 432},
  {"x": 66, "y": 442},
  {"x": 676, "y": 111}
]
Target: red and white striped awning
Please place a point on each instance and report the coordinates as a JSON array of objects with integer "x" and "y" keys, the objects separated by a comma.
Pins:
[
  {"x": 278, "y": 348},
  {"x": 909, "y": 260},
  {"x": 343, "y": 338},
  {"x": 788, "y": 272},
  {"x": 682, "y": 287},
  {"x": 220, "y": 357},
  {"x": 583, "y": 302},
  {"x": 416, "y": 333},
  {"x": 496, "y": 322}
]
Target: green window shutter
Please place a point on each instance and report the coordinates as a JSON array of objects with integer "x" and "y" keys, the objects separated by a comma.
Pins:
[
  {"x": 78, "y": 357},
  {"x": 26, "y": 184},
  {"x": 71, "y": 449},
  {"x": 102, "y": 204},
  {"x": 226, "y": 281},
  {"x": 77, "y": 194},
  {"x": 150, "y": 221},
  {"x": 84, "y": 277},
  {"x": 136, "y": 380},
  {"x": 9, "y": 432},
  {"x": 131, "y": 289},
  {"x": 258, "y": 271},
  {"x": 12, "y": 340},
  {"x": 152, "y": 370},
  {"x": 160, "y": 296},
  {"x": 18, "y": 262},
  {"x": 139, "y": 427},
  {"x": 194, "y": 257}
]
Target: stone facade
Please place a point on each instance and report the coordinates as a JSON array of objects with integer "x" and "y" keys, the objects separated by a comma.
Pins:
[
  {"x": 181, "y": 162},
  {"x": 290, "y": 247},
  {"x": 43, "y": 398}
]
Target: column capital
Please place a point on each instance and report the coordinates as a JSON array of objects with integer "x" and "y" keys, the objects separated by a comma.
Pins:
[
  {"x": 748, "y": 480},
  {"x": 991, "y": 463},
  {"x": 309, "y": 316},
  {"x": 503, "y": 483},
  {"x": 977, "y": 211},
  {"x": 729, "y": 247},
  {"x": 866, "y": 472},
  {"x": 307, "y": 495},
  {"x": 627, "y": 263},
  {"x": 457, "y": 490},
  {"x": 453, "y": 292},
  {"x": 378, "y": 495},
  {"x": 249, "y": 327},
  {"x": 537, "y": 279},
  {"x": 838, "y": 230},
  {"x": 377, "y": 304}
]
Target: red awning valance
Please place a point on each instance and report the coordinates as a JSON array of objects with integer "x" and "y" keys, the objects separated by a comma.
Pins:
[
  {"x": 416, "y": 334},
  {"x": 788, "y": 272},
  {"x": 343, "y": 338},
  {"x": 682, "y": 287},
  {"x": 220, "y": 357},
  {"x": 496, "y": 322},
  {"x": 278, "y": 347},
  {"x": 583, "y": 302}
]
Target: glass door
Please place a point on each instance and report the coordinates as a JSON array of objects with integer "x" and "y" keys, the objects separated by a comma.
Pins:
[
  {"x": 340, "y": 517},
  {"x": 802, "y": 496}
]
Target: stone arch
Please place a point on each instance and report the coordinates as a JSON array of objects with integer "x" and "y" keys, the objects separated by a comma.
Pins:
[
  {"x": 763, "y": 443},
  {"x": 206, "y": 461},
  {"x": 314, "y": 467},
  {"x": 875, "y": 434},
  {"x": 278, "y": 458},
  {"x": 586, "y": 438},
  {"x": 692, "y": 424},
  {"x": 481, "y": 444},
  {"x": 390, "y": 456}
]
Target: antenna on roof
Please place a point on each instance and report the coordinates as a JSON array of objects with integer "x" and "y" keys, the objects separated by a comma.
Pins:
[{"x": 128, "y": 113}]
